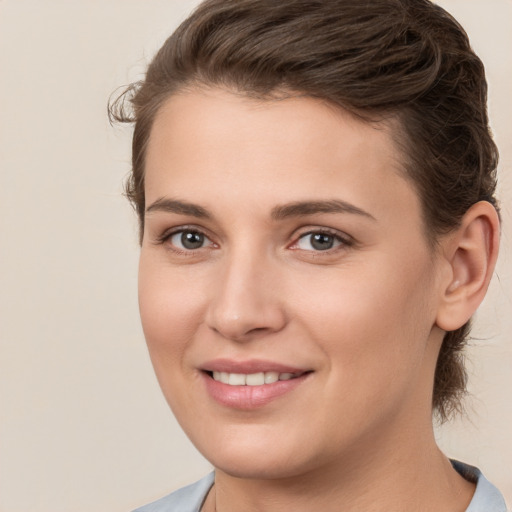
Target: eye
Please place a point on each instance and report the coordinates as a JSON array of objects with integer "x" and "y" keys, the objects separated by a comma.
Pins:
[
  {"x": 189, "y": 240},
  {"x": 319, "y": 241}
]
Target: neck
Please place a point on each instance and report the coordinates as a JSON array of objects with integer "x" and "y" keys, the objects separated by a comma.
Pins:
[{"x": 413, "y": 477}]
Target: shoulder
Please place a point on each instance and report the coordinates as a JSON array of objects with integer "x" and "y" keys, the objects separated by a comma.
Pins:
[
  {"x": 486, "y": 498},
  {"x": 186, "y": 499}
]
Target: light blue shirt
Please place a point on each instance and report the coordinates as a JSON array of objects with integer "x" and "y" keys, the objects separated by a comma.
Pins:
[{"x": 191, "y": 498}]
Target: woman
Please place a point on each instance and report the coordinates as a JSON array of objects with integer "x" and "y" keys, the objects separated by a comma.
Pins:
[{"x": 315, "y": 187}]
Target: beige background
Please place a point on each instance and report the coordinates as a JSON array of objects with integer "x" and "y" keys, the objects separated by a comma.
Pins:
[{"x": 83, "y": 425}]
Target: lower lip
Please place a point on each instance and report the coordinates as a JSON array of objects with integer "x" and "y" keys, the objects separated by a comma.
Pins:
[{"x": 250, "y": 397}]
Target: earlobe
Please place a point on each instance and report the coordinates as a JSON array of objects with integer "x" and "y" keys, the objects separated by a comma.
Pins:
[{"x": 470, "y": 252}]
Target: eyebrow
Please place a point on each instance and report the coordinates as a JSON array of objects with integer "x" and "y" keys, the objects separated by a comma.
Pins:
[
  {"x": 281, "y": 212},
  {"x": 302, "y": 208},
  {"x": 180, "y": 207}
]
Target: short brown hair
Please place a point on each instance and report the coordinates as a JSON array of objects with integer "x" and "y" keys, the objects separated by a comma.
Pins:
[{"x": 403, "y": 59}]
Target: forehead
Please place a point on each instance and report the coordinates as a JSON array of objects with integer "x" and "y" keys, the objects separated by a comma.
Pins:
[
  {"x": 231, "y": 147},
  {"x": 210, "y": 103}
]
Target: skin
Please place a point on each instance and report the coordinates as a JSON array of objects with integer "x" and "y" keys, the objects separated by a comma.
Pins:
[{"x": 365, "y": 317}]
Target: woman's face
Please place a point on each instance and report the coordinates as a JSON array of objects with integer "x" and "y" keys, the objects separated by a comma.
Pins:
[{"x": 282, "y": 243}]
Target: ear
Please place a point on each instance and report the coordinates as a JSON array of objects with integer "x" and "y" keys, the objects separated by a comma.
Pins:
[{"x": 470, "y": 254}]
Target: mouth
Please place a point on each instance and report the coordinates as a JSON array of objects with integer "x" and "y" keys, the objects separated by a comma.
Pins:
[
  {"x": 252, "y": 379},
  {"x": 252, "y": 384}
]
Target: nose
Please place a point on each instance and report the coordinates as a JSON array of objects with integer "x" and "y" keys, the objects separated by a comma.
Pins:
[{"x": 246, "y": 300}]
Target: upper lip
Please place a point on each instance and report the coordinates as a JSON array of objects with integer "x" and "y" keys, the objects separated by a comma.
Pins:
[{"x": 249, "y": 366}]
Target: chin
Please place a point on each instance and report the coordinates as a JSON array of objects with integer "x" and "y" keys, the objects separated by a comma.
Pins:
[
  {"x": 262, "y": 468},
  {"x": 254, "y": 454}
]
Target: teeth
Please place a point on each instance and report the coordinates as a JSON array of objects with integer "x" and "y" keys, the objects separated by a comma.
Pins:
[
  {"x": 251, "y": 379},
  {"x": 271, "y": 377},
  {"x": 236, "y": 379},
  {"x": 255, "y": 379},
  {"x": 221, "y": 377}
]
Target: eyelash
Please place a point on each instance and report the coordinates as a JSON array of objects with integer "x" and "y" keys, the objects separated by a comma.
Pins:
[
  {"x": 167, "y": 235},
  {"x": 344, "y": 241}
]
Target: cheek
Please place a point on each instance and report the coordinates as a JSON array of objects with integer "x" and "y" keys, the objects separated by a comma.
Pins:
[
  {"x": 170, "y": 310},
  {"x": 373, "y": 320}
]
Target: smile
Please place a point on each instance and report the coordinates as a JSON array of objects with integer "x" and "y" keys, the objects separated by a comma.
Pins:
[
  {"x": 249, "y": 385},
  {"x": 252, "y": 379}
]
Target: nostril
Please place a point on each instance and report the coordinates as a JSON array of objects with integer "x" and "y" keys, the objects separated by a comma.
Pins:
[{"x": 258, "y": 329}]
